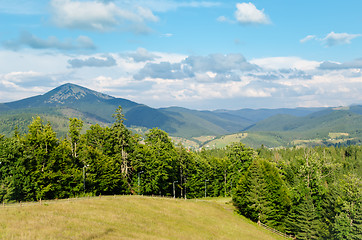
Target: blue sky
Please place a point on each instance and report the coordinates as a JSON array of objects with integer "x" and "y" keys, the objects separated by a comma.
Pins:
[{"x": 194, "y": 54}]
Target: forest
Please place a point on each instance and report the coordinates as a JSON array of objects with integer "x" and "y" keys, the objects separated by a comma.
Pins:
[{"x": 309, "y": 193}]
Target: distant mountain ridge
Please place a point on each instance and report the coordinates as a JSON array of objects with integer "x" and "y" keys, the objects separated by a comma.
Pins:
[
  {"x": 63, "y": 95},
  {"x": 70, "y": 100},
  {"x": 100, "y": 107}
]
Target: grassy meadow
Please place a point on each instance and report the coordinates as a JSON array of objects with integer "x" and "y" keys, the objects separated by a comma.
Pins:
[{"x": 127, "y": 217}]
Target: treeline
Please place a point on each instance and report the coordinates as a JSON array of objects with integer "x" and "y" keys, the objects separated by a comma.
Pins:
[
  {"x": 111, "y": 160},
  {"x": 310, "y": 193}
]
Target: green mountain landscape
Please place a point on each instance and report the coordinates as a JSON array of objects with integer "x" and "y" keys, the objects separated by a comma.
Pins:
[
  {"x": 311, "y": 192},
  {"x": 182, "y": 119},
  {"x": 268, "y": 127}
]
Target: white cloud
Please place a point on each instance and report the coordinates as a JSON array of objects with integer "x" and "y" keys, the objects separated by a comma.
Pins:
[
  {"x": 247, "y": 13},
  {"x": 328, "y": 65},
  {"x": 307, "y": 38},
  {"x": 142, "y": 55},
  {"x": 223, "y": 66},
  {"x": 100, "y": 16},
  {"x": 103, "y": 61},
  {"x": 224, "y": 19},
  {"x": 29, "y": 40},
  {"x": 333, "y": 38},
  {"x": 18, "y": 85},
  {"x": 206, "y": 82},
  {"x": 277, "y": 63}
]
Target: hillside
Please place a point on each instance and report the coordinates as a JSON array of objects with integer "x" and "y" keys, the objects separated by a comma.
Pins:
[
  {"x": 268, "y": 127},
  {"x": 327, "y": 120},
  {"x": 257, "y": 115},
  {"x": 70, "y": 100},
  {"x": 127, "y": 217},
  {"x": 332, "y": 126}
]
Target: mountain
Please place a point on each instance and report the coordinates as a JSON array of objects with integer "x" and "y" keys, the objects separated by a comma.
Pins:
[
  {"x": 70, "y": 100},
  {"x": 257, "y": 115},
  {"x": 65, "y": 95},
  {"x": 331, "y": 119},
  {"x": 272, "y": 126}
]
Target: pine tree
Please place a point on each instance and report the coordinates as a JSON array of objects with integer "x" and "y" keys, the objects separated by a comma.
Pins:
[
  {"x": 262, "y": 195},
  {"x": 357, "y": 223},
  {"x": 303, "y": 221}
]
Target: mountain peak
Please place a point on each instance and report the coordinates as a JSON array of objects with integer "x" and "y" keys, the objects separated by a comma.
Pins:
[{"x": 72, "y": 92}]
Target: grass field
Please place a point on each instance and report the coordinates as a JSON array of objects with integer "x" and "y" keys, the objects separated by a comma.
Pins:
[
  {"x": 226, "y": 140},
  {"x": 127, "y": 217}
]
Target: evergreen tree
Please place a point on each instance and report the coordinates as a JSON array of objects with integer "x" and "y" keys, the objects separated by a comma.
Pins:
[
  {"x": 357, "y": 222},
  {"x": 262, "y": 194},
  {"x": 122, "y": 143}
]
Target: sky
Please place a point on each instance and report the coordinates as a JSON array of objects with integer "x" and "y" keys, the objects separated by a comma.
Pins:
[{"x": 203, "y": 55}]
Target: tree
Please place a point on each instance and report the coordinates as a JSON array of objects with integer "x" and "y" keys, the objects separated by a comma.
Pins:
[
  {"x": 161, "y": 167},
  {"x": 122, "y": 144},
  {"x": 303, "y": 220},
  {"x": 185, "y": 163},
  {"x": 75, "y": 126},
  {"x": 239, "y": 158},
  {"x": 39, "y": 145},
  {"x": 342, "y": 228},
  {"x": 262, "y": 194}
]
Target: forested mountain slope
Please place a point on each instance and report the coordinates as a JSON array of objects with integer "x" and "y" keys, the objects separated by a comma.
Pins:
[{"x": 70, "y": 100}]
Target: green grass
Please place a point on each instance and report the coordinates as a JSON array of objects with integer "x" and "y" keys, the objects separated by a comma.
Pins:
[{"x": 128, "y": 217}]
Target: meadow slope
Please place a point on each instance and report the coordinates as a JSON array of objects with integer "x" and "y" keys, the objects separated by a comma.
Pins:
[{"x": 127, "y": 217}]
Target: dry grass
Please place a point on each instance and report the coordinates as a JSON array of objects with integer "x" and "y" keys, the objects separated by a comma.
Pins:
[
  {"x": 227, "y": 140},
  {"x": 203, "y": 139},
  {"x": 127, "y": 217},
  {"x": 337, "y": 135},
  {"x": 185, "y": 142}
]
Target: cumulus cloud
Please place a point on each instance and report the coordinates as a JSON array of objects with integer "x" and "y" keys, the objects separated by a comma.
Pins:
[
  {"x": 214, "y": 68},
  {"x": 333, "y": 39},
  {"x": 279, "y": 63},
  {"x": 327, "y": 65},
  {"x": 298, "y": 74},
  {"x": 22, "y": 84},
  {"x": 100, "y": 16},
  {"x": 21, "y": 80},
  {"x": 247, "y": 13},
  {"x": 29, "y": 40},
  {"x": 107, "y": 61},
  {"x": 165, "y": 70},
  {"x": 226, "y": 77},
  {"x": 219, "y": 63},
  {"x": 212, "y": 81},
  {"x": 142, "y": 55}
]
